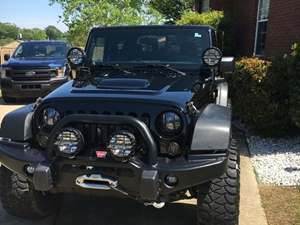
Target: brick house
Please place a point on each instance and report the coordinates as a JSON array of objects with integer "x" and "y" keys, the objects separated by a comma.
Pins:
[{"x": 261, "y": 27}]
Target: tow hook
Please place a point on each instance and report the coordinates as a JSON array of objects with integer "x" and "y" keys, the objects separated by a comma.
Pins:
[{"x": 157, "y": 205}]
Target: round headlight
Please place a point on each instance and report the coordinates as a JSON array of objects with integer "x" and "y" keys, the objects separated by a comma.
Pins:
[
  {"x": 212, "y": 56},
  {"x": 69, "y": 142},
  {"x": 50, "y": 116},
  {"x": 122, "y": 144},
  {"x": 169, "y": 123}
]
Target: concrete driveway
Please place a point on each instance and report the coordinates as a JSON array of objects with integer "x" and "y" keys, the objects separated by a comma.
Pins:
[{"x": 89, "y": 210}]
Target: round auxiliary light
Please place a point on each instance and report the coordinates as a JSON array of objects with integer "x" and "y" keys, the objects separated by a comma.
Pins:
[
  {"x": 69, "y": 142},
  {"x": 76, "y": 56},
  {"x": 50, "y": 116},
  {"x": 122, "y": 144},
  {"x": 169, "y": 123},
  {"x": 212, "y": 56}
]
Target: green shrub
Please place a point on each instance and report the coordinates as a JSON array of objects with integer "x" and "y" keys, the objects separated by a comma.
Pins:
[
  {"x": 212, "y": 18},
  {"x": 260, "y": 91},
  {"x": 293, "y": 71}
]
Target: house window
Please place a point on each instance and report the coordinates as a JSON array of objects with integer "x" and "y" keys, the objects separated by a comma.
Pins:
[
  {"x": 205, "y": 5},
  {"x": 261, "y": 27}
]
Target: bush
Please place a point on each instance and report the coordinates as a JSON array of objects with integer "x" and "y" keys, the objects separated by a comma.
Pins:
[
  {"x": 260, "y": 93},
  {"x": 266, "y": 94},
  {"x": 212, "y": 18},
  {"x": 293, "y": 71}
]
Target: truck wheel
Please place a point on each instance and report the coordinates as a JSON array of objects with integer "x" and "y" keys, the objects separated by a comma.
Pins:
[
  {"x": 218, "y": 203},
  {"x": 20, "y": 199}
]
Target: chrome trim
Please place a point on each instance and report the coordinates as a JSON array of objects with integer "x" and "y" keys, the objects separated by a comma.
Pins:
[{"x": 86, "y": 181}]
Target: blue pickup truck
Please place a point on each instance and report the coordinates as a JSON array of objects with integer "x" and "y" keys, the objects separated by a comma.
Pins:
[{"x": 34, "y": 69}]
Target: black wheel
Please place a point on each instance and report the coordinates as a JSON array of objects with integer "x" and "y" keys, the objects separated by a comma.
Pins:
[
  {"x": 218, "y": 202},
  {"x": 20, "y": 199}
]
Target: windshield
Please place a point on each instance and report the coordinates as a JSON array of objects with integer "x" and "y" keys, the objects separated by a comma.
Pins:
[
  {"x": 41, "y": 50},
  {"x": 148, "y": 45}
]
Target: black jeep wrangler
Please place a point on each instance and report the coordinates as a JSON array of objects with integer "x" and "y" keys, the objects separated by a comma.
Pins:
[{"x": 147, "y": 117}]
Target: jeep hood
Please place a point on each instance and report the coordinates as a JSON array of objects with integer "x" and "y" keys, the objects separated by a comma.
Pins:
[{"x": 152, "y": 89}]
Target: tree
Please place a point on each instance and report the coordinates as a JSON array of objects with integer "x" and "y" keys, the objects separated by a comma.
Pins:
[
  {"x": 172, "y": 10},
  {"x": 34, "y": 34},
  {"x": 53, "y": 33},
  {"x": 81, "y": 15},
  {"x": 8, "y": 31}
]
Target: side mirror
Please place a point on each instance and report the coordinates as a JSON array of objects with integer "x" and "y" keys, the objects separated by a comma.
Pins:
[
  {"x": 212, "y": 57},
  {"x": 76, "y": 57},
  {"x": 6, "y": 57},
  {"x": 227, "y": 65}
]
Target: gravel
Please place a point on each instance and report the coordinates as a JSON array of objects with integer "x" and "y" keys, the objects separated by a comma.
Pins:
[{"x": 276, "y": 161}]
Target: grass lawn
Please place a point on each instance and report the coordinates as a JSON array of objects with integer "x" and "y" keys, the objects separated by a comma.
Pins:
[{"x": 282, "y": 205}]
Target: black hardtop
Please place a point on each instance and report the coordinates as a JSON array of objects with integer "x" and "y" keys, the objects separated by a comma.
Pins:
[{"x": 204, "y": 27}]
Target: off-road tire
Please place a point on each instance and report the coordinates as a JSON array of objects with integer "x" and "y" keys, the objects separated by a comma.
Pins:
[
  {"x": 20, "y": 199},
  {"x": 218, "y": 202}
]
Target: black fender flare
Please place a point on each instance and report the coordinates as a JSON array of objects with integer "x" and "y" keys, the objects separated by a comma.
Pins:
[
  {"x": 17, "y": 125},
  {"x": 212, "y": 129}
]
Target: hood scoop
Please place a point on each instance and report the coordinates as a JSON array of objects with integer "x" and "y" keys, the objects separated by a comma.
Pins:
[{"x": 125, "y": 83}]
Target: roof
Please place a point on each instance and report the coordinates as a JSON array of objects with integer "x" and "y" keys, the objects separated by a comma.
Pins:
[{"x": 155, "y": 27}]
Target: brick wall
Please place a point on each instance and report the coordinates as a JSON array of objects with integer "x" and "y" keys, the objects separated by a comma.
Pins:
[
  {"x": 225, "y": 5},
  {"x": 244, "y": 15},
  {"x": 283, "y": 26}
]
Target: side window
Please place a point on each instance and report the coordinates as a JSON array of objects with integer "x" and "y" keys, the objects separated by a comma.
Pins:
[
  {"x": 205, "y": 5},
  {"x": 261, "y": 27},
  {"x": 98, "y": 49},
  {"x": 19, "y": 51}
]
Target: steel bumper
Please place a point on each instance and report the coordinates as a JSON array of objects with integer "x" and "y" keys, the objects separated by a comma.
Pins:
[
  {"x": 145, "y": 180},
  {"x": 134, "y": 178}
]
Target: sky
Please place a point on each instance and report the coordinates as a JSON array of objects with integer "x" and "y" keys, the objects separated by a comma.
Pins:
[{"x": 31, "y": 13}]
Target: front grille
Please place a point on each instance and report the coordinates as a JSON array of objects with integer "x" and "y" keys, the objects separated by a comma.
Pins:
[
  {"x": 21, "y": 74},
  {"x": 145, "y": 117},
  {"x": 143, "y": 111},
  {"x": 97, "y": 136}
]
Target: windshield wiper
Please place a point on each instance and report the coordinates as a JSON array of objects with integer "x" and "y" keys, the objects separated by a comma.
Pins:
[
  {"x": 112, "y": 67},
  {"x": 162, "y": 66}
]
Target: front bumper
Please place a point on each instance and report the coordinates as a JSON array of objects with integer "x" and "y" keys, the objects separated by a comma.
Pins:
[
  {"x": 61, "y": 175},
  {"x": 141, "y": 180},
  {"x": 30, "y": 89}
]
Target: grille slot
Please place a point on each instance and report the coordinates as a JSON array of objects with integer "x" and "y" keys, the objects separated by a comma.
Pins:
[
  {"x": 144, "y": 117},
  {"x": 35, "y": 78}
]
